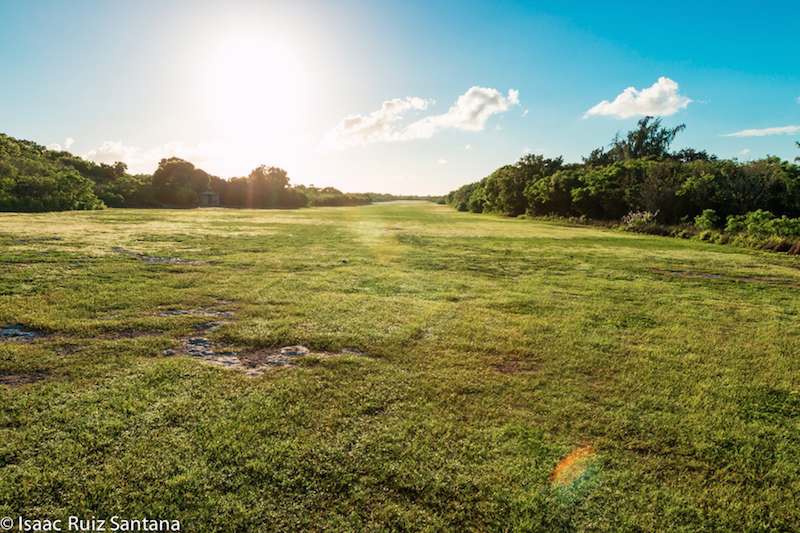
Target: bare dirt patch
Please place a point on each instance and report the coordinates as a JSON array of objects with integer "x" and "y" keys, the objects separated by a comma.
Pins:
[
  {"x": 513, "y": 366},
  {"x": 15, "y": 379},
  {"x": 572, "y": 467},
  {"x": 156, "y": 259},
  {"x": 200, "y": 312},
  {"x": 67, "y": 348},
  {"x": 250, "y": 362},
  {"x": 129, "y": 333},
  {"x": 286, "y": 356},
  {"x": 691, "y": 274}
]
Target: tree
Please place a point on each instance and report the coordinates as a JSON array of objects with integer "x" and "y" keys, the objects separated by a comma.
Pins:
[
  {"x": 504, "y": 190},
  {"x": 178, "y": 183},
  {"x": 33, "y": 178},
  {"x": 264, "y": 187},
  {"x": 687, "y": 155},
  {"x": 553, "y": 194},
  {"x": 649, "y": 140}
]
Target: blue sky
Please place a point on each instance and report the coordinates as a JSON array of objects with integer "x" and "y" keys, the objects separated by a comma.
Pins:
[{"x": 414, "y": 97}]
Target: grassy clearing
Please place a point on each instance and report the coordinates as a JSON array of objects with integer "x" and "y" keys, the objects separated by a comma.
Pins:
[{"x": 493, "y": 349}]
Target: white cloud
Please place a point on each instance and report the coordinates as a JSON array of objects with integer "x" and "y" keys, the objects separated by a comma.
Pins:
[
  {"x": 470, "y": 112},
  {"x": 763, "y": 132},
  {"x": 380, "y": 125},
  {"x": 525, "y": 112},
  {"x": 468, "y": 147},
  {"x": 744, "y": 151},
  {"x": 112, "y": 151},
  {"x": 146, "y": 161},
  {"x": 660, "y": 99},
  {"x": 442, "y": 161},
  {"x": 69, "y": 141}
]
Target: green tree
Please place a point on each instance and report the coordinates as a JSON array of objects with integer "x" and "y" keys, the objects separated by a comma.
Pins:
[
  {"x": 177, "y": 183},
  {"x": 649, "y": 140}
]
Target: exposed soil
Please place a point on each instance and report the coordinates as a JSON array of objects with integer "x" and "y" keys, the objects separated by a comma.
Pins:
[
  {"x": 211, "y": 313},
  {"x": 513, "y": 366},
  {"x": 129, "y": 333},
  {"x": 285, "y": 356},
  {"x": 155, "y": 259},
  {"x": 770, "y": 280},
  {"x": 251, "y": 362},
  {"x": 15, "y": 379},
  {"x": 211, "y": 325},
  {"x": 68, "y": 348}
]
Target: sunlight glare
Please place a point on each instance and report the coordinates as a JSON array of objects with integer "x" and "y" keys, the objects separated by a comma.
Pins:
[{"x": 256, "y": 88}]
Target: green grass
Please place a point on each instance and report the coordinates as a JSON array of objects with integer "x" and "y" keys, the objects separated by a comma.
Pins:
[{"x": 493, "y": 347}]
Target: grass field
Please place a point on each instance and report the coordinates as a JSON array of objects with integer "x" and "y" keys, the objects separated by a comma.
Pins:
[{"x": 467, "y": 372}]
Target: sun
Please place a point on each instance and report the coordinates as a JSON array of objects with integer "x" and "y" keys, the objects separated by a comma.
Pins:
[{"x": 255, "y": 88}]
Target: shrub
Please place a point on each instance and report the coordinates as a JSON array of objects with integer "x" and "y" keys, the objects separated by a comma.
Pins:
[
  {"x": 707, "y": 220},
  {"x": 640, "y": 222},
  {"x": 735, "y": 224},
  {"x": 786, "y": 227},
  {"x": 759, "y": 223}
]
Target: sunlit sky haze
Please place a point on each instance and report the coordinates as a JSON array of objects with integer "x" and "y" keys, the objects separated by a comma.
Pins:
[{"x": 402, "y": 97}]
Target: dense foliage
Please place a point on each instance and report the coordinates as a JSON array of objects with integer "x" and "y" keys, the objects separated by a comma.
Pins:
[
  {"x": 33, "y": 178},
  {"x": 331, "y": 197},
  {"x": 639, "y": 174}
]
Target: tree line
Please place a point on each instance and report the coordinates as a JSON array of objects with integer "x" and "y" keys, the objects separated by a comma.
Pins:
[
  {"x": 34, "y": 178},
  {"x": 638, "y": 181}
]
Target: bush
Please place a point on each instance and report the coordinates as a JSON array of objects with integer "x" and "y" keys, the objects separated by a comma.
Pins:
[
  {"x": 707, "y": 220},
  {"x": 759, "y": 223},
  {"x": 786, "y": 227},
  {"x": 735, "y": 224},
  {"x": 640, "y": 222}
]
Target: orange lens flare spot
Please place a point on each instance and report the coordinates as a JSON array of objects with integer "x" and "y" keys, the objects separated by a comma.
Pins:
[{"x": 572, "y": 467}]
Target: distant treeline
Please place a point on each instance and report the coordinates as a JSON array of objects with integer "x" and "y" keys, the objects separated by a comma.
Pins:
[
  {"x": 640, "y": 183},
  {"x": 33, "y": 178}
]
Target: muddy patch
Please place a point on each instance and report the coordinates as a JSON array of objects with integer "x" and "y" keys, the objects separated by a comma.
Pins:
[
  {"x": 210, "y": 325},
  {"x": 67, "y": 349},
  {"x": 204, "y": 347},
  {"x": 155, "y": 259},
  {"x": 286, "y": 356},
  {"x": 198, "y": 312},
  {"x": 19, "y": 333},
  {"x": 15, "y": 379},
  {"x": 573, "y": 467},
  {"x": 250, "y": 362},
  {"x": 198, "y": 345},
  {"x": 257, "y": 362},
  {"x": 692, "y": 274}
]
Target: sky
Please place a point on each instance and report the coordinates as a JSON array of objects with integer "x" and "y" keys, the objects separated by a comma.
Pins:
[{"x": 411, "y": 97}]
